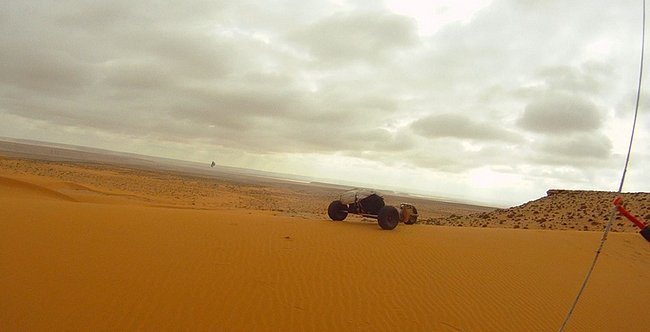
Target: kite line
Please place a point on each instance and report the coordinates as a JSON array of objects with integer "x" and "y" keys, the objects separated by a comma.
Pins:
[{"x": 620, "y": 187}]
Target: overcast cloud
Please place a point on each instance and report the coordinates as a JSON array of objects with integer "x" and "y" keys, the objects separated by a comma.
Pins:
[{"x": 492, "y": 101}]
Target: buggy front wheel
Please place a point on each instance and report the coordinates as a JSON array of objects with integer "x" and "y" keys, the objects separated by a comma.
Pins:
[{"x": 388, "y": 217}]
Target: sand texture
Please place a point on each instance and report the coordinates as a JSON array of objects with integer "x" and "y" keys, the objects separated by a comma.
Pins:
[{"x": 109, "y": 247}]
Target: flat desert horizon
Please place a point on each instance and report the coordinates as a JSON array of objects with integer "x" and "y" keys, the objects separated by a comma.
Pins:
[{"x": 104, "y": 245}]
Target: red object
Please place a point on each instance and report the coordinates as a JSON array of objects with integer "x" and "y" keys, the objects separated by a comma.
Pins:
[{"x": 618, "y": 202}]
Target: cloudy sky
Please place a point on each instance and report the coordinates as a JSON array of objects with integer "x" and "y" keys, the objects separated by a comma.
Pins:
[{"x": 490, "y": 101}]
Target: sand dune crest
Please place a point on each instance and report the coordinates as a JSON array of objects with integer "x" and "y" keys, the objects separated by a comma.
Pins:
[{"x": 31, "y": 190}]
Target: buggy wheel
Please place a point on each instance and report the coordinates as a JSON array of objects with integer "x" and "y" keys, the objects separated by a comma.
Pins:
[
  {"x": 388, "y": 217},
  {"x": 337, "y": 211},
  {"x": 408, "y": 214}
]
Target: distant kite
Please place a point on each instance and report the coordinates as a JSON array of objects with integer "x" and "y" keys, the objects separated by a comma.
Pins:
[{"x": 213, "y": 164}]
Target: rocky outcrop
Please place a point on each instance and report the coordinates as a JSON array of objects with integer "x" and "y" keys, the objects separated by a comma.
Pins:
[{"x": 560, "y": 210}]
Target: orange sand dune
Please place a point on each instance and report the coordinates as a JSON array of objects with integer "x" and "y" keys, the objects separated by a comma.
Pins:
[{"x": 127, "y": 251}]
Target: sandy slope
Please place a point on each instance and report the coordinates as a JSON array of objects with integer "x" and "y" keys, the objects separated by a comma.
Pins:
[{"x": 104, "y": 249}]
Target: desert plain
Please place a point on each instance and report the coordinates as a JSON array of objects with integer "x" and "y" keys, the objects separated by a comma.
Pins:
[{"x": 110, "y": 245}]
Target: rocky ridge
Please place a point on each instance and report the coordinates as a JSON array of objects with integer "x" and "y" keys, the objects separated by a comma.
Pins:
[{"x": 577, "y": 210}]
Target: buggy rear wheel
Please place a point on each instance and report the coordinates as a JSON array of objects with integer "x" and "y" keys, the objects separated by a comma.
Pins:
[
  {"x": 388, "y": 217},
  {"x": 408, "y": 213},
  {"x": 337, "y": 211}
]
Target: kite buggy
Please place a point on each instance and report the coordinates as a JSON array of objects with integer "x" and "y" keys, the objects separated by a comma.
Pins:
[{"x": 369, "y": 203}]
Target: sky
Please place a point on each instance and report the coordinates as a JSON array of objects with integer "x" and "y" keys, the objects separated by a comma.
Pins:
[{"x": 489, "y": 101}]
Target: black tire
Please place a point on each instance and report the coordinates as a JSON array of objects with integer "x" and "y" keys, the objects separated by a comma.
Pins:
[
  {"x": 388, "y": 217},
  {"x": 337, "y": 211}
]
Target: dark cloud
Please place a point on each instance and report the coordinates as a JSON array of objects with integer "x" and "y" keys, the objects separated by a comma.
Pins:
[
  {"x": 578, "y": 151},
  {"x": 589, "y": 78},
  {"x": 463, "y": 127},
  {"x": 561, "y": 114}
]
